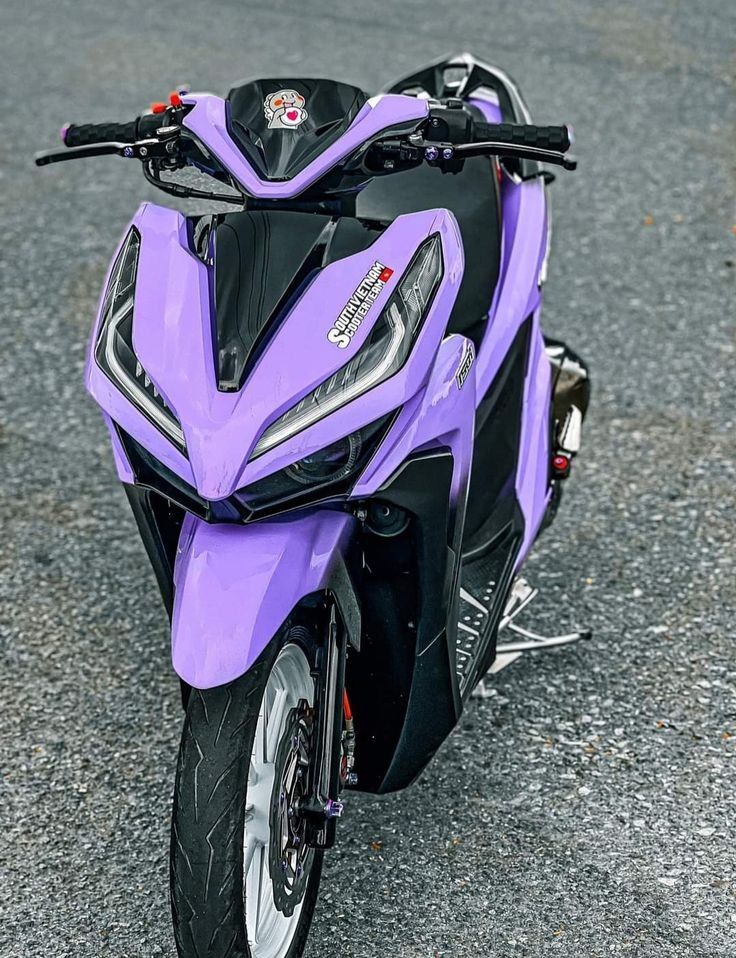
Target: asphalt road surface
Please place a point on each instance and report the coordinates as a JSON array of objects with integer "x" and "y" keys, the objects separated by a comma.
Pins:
[{"x": 587, "y": 807}]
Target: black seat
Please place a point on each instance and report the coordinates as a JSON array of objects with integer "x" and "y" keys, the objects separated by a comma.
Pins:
[{"x": 472, "y": 196}]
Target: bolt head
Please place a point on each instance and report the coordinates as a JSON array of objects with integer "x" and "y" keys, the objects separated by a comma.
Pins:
[
  {"x": 431, "y": 152},
  {"x": 334, "y": 809},
  {"x": 144, "y": 151},
  {"x": 448, "y": 153},
  {"x": 128, "y": 151}
]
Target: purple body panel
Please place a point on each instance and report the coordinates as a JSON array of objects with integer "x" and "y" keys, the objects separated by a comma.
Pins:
[
  {"x": 112, "y": 401},
  {"x": 235, "y": 585},
  {"x": 207, "y": 120},
  {"x": 172, "y": 335},
  {"x": 516, "y": 297},
  {"x": 442, "y": 414},
  {"x": 533, "y": 472},
  {"x": 489, "y": 108}
]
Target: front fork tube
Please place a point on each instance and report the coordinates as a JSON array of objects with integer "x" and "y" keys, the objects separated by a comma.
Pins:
[{"x": 324, "y": 807}]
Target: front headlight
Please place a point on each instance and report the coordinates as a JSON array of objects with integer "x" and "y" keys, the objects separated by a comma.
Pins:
[
  {"x": 114, "y": 351},
  {"x": 327, "y": 473},
  {"x": 383, "y": 354}
]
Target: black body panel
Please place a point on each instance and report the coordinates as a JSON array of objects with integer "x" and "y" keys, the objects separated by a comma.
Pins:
[
  {"x": 259, "y": 258},
  {"x": 472, "y": 196},
  {"x": 274, "y": 495},
  {"x": 492, "y": 496},
  {"x": 263, "y": 261},
  {"x": 402, "y": 684},
  {"x": 159, "y": 523},
  {"x": 279, "y": 153}
]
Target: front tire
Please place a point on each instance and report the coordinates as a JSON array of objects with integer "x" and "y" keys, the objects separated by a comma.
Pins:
[{"x": 229, "y": 830}]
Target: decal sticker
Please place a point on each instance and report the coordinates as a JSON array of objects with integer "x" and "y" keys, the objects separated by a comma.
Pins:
[
  {"x": 284, "y": 110},
  {"x": 465, "y": 365},
  {"x": 354, "y": 311}
]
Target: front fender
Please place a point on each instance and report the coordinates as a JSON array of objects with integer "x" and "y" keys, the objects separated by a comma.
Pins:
[{"x": 234, "y": 587}]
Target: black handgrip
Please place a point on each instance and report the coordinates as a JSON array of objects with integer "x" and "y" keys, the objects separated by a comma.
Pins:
[
  {"x": 85, "y": 134},
  {"x": 556, "y": 138}
]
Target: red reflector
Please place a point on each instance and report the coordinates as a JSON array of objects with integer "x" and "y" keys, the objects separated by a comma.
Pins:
[
  {"x": 174, "y": 99},
  {"x": 347, "y": 711},
  {"x": 386, "y": 274},
  {"x": 560, "y": 463},
  {"x": 158, "y": 108}
]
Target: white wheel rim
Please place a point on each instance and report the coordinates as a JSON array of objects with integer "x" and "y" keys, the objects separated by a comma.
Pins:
[{"x": 270, "y": 932}]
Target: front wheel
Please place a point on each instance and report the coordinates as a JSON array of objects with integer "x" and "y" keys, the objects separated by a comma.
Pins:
[{"x": 244, "y": 881}]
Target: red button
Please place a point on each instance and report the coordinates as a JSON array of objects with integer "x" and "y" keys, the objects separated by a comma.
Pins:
[
  {"x": 158, "y": 108},
  {"x": 174, "y": 99}
]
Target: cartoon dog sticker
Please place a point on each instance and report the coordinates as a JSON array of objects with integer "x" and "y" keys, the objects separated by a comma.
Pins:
[{"x": 284, "y": 110}]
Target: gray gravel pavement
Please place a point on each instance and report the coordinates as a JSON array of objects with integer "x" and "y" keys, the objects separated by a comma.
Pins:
[{"x": 587, "y": 807}]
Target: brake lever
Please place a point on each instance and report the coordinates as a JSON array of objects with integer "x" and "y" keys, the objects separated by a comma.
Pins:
[
  {"x": 163, "y": 145},
  {"x": 447, "y": 152},
  {"x": 517, "y": 151},
  {"x": 79, "y": 152}
]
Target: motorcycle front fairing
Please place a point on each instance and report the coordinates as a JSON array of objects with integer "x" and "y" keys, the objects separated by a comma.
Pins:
[
  {"x": 219, "y": 624},
  {"x": 229, "y": 581}
]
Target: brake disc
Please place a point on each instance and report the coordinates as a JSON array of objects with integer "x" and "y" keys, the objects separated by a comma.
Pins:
[{"x": 290, "y": 856}]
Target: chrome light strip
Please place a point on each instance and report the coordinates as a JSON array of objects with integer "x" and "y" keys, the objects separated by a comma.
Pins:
[
  {"x": 337, "y": 397},
  {"x": 131, "y": 387}
]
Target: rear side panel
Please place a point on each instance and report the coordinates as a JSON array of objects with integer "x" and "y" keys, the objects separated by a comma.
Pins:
[
  {"x": 533, "y": 473},
  {"x": 517, "y": 301}
]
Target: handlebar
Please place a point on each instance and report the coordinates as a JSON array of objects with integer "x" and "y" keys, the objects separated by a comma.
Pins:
[
  {"x": 85, "y": 134},
  {"x": 555, "y": 138},
  {"x": 449, "y": 136}
]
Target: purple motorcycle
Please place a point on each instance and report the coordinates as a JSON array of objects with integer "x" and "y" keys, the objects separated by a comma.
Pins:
[{"x": 340, "y": 429}]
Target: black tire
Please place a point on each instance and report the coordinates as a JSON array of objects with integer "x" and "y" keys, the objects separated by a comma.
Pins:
[{"x": 209, "y": 819}]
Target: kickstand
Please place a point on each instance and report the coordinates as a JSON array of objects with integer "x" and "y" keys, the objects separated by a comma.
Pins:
[{"x": 538, "y": 643}]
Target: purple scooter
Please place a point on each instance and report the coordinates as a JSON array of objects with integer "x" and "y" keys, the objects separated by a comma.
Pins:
[{"x": 340, "y": 429}]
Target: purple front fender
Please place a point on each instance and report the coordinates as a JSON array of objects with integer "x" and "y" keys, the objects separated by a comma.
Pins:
[{"x": 236, "y": 585}]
